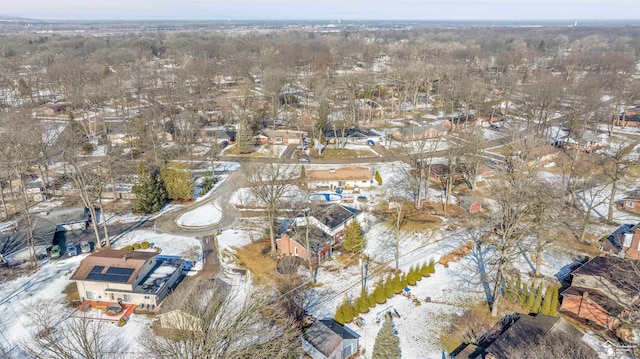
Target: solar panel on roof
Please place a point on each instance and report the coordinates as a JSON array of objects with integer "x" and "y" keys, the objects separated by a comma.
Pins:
[
  {"x": 120, "y": 271},
  {"x": 113, "y": 274}
]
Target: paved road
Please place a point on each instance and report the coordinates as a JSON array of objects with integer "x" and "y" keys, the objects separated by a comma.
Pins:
[{"x": 220, "y": 196}]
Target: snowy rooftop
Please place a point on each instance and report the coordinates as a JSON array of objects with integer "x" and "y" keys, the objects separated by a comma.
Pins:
[{"x": 159, "y": 276}]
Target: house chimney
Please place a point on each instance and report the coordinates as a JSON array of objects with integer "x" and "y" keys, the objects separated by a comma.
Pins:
[
  {"x": 627, "y": 240},
  {"x": 124, "y": 258}
]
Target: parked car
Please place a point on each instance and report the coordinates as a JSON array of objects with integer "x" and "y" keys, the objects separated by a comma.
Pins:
[
  {"x": 55, "y": 251},
  {"x": 85, "y": 247},
  {"x": 71, "y": 250},
  {"x": 304, "y": 159}
]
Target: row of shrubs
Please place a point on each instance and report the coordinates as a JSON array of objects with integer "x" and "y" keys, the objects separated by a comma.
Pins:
[
  {"x": 207, "y": 184},
  {"x": 392, "y": 285},
  {"x": 136, "y": 246}
]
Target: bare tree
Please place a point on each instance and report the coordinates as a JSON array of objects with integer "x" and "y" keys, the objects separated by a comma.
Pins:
[
  {"x": 269, "y": 182},
  {"x": 216, "y": 322},
  {"x": 87, "y": 181},
  {"x": 52, "y": 337},
  {"x": 518, "y": 213}
]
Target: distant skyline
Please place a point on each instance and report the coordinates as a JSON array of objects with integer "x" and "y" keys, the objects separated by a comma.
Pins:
[{"x": 322, "y": 10}]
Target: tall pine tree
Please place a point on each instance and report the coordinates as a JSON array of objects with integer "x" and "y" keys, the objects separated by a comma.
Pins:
[
  {"x": 244, "y": 137},
  {"x": 149, "y": 190},
  {"x": 553, "y": 309},
  {"x": 537, "y": 301},
  {"x": 546, "y": 301},
  {"x": 387, "y": 345},
  {"x": 354, "y": 241}
]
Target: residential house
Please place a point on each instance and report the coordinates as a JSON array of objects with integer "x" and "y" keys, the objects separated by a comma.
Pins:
[
  {"x": 624, "y": 242},
  {"x": 217, "y": 136},
  {"x": 470, "y": 205},
  {"x": 631, "y": 205},
  {"x": 326, "y": 227},
  {"x": 344, "y": 177},
  {"x": 414, "y": 133},
  {"x": 327, "y": 339},
  {"x": 282, "y": 137},
  {"x": 176, "y": 315},
  {"x": 355, "y": 135},
  {"x": 543, "y": 155},
  {"x": 602, "y": 291},
  {"x": 441, "y": 172},
  {"x": 519, "y": 332},
  {"x": 135, "y": 277}
]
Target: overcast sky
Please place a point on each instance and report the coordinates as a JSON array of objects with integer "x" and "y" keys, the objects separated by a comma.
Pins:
[{"x": 322, "y": 10}]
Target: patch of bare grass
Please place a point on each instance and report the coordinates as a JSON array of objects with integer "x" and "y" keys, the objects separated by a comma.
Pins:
[
  {"x": 467, "y": 327},
  {"x": 342, "y": 153},
  {"x": 256, "y": 257}
]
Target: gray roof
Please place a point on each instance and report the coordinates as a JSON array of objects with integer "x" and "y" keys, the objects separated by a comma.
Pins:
[
  {"x": 529, "y": 330},
  {"x": 620, "y": 272},
  {"x": 326, "y": 335}
]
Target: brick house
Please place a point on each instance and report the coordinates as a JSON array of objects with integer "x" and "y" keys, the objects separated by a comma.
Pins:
[
  {"x": 134, "y": 277},
  {"x": 470, "y": 205},
  {"x": 602, "y": 291},
  {"x": 623, "y": 242},
  {"x": 631, "y": 205},
  {"x": 327, "y": 226},
  {"x": 345, "y": 177}
]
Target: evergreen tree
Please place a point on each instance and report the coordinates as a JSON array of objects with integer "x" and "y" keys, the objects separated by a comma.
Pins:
[
  {"x": 178, "y": 182},
  {"x": 244, "y": 137},
  {"x": 424, "y": 270},
  {"x": 522, "y": 297},
  {"x": 339, "y": 317},
  {"x": 432, "y": 267},
  {"x": 149, "y": 190},
  {"x": 378, "y": 178},
  {"x": 537, "y": 302},
  {"x": 546, "y": 301},
  {"x": 531, "y": 293},
  {"x": 362, "y": 303},
  {"x": 389, "y": 287},
  {"x": 379, "y": 294},
  {"x": 403, "y": 281},
  {"x": 354, "y": 241},
  {"x": 553, "y": 309},
  {"x": 348, "y": 311},
  {"x": 508, "y": 291},
  {"x": 517, "y": 291},
  {"x": 302, "y": 172},
  {"x": 411, "y": 278},
  {"x": 416, "y": 273},
  {"x": 397, "y": 284},
  {"x": 371, "y": 300},
  {"x": 387, "y": 344}
]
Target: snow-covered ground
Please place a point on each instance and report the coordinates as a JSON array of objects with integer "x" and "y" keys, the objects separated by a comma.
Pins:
[
  {"x": 187, "y": 248},
  {"x": 205, "y": 215},
  {"x": 19, "y": 297}
]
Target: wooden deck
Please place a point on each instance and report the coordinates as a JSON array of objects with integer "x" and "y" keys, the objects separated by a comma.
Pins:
[{"x": 97, "y": 311}]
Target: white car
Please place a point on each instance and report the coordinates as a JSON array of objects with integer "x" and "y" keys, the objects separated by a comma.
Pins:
[
  {"x": 304, "y": 159},
  {"x": 85, "y": 247}
]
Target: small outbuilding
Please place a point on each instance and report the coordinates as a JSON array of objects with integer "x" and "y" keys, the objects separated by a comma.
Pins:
[{"x": 470, "y": 205}]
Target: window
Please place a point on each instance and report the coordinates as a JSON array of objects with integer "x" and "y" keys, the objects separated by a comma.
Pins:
[
  {"x": 631, "y": 204},
  {"x": 295, "y": 251},
  {"x": 127, "y": 298},
  {"x": 90, "y": 295},
  {"x": 146, "y": 297}
]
